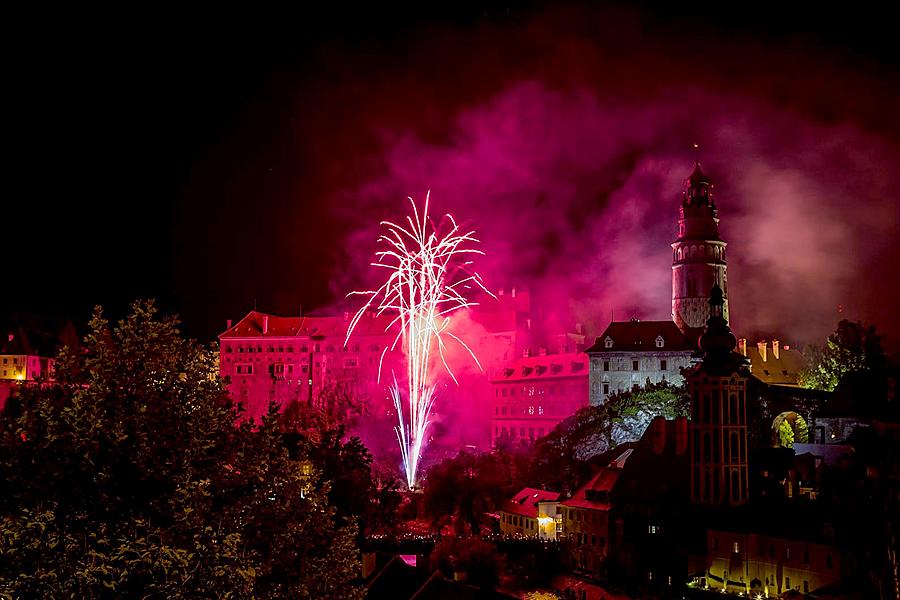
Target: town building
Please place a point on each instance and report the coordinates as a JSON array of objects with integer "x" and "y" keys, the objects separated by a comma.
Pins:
[
  {"x": 775, "y": 363},
  {"x": 268, "y": 358},
  {"x": 632, "y": 353},
  {"x": 770, "y": 565},
  {"x": 532, "y": 394},
  {"x": 22, "y": 362},
  {"x": 531, "y": 513},
  {"x": 586, "y": 516}
]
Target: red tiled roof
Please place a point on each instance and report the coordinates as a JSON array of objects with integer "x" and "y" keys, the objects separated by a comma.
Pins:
[
  {"x": 641, "y": 336},
  {"x": 525, "y": 503},
  {"x": 595, "y": 493},
  {"x": 252, "y": 326},
  {"x": 549, "y": 366}
]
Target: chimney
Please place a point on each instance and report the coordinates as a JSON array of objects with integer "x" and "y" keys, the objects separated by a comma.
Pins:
[
  {"x": 776, "y": 349},
  {"x": 742, "y": 346},
  {"x": 228, "y": 324},
  {"x": 761, "y": 346},
  {"x": 265, "y": 324}
]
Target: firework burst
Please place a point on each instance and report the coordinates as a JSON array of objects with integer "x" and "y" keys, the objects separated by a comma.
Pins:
[{"x": 429, "y": 276}]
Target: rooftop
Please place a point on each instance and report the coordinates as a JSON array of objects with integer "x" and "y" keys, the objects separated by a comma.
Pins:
[
  {"x": 549, "y": 366},
  {"x": 641, "y": 336},
  {"x": 525, "y": 503},
  {"x": 257, "y": 324}
]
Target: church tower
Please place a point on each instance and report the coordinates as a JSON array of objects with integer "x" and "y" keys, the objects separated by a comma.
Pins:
[
  {"x": 698, "y": 256},
  {"x": 718, "y": 390}
]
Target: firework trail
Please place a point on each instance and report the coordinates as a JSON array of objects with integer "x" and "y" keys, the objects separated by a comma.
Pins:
[{"x": 428, "y": 277}]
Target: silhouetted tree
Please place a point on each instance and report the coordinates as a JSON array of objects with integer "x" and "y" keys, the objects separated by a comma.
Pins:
[
  {"x": 852, "y": 347},
  {"x": 128, "y": 477}
]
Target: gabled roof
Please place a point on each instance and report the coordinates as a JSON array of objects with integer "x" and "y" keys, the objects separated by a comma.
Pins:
[
  {"x": 595, "y": 493},
  {"x": 255, "y": 322},
  {"x": 549, "y": 366},
  {"x": 640, "y": 336},
  {"x": 525, "y": 503}
]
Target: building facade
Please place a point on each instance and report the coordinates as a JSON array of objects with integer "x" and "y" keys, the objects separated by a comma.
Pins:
[
  {"x": 531, "y": 513},
  {"x": 698, "y": 256},
  {"x": 303, "y": 359},
  {"x": 532, "y": 394},
  {"x": 718, "y": 390},
  {"x": 631, "y": 353},
  {"x": 750, "y": 564}
]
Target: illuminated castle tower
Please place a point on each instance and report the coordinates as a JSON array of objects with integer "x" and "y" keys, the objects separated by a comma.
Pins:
[
  {"x": 698, "y": 256},
  {"x": 718, "y": 389}
]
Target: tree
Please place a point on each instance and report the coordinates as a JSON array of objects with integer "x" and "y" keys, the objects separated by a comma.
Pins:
[
  {"x": 128, "y": 476},
  {"x": 477, "y": 558},
  {"x": 466, "y": 487},
  {"x": 852, "y": 347}
]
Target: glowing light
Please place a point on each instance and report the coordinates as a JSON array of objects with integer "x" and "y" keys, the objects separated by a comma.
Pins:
[
  {"x": 428, "y": 278},
  {"x": 545, "y": 521}
]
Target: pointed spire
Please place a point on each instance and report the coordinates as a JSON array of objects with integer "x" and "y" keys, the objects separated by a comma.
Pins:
[{"x": 717, "y": 341}]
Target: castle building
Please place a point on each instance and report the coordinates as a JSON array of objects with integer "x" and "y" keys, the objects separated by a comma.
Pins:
[
  {"x": 698, "y": 256},
  {"x": 632, "y": 353},
  {"x": 532, "y": 394},
  {"x": 718, "y": 390},
  {"x": 303, "y": 359}
]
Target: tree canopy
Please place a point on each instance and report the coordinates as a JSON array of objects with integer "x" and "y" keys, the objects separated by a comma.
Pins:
[
  {"x": 852, "y": 347},
  {"x": 130, "y": 475}
]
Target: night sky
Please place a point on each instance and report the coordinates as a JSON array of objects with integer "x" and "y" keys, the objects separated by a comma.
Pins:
[{"x": 216, "y": 160}]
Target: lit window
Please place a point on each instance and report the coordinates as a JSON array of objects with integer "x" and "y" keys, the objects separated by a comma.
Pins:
[{"x": 736, "y": 548}]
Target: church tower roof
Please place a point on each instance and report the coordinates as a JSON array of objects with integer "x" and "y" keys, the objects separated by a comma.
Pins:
[{"x": 698, "y": 189}]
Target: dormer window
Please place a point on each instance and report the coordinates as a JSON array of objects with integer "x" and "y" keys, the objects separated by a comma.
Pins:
[
  {"x": 608, "y": 342},
  {"x": 660, "y": 342}
]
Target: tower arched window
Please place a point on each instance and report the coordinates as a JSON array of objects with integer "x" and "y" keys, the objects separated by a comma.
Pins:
[
  {"x": 680, "y": 254},
  {"x": 693, "y": 251},
  {"x": 702, "y": 251},
  {"x": 735, "y": 449},
  {"x": 733, "y": 409}
]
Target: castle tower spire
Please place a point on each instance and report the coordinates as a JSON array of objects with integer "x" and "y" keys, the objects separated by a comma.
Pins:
[{"x": 698, "y": 255}]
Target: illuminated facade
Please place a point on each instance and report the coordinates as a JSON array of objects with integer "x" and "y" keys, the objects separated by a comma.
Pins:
[
  {"x": 18, "y": 362},
  {"x": 631, "y": 353},
  {"x": 531, "y": 513},
  {"x": 718, "y": 389},
  {"x": 698, "y": 256},
  {"x": 286, "y": 359},
  {"x": 752, "y": 564},
  {"x": 531, "y": 395}
]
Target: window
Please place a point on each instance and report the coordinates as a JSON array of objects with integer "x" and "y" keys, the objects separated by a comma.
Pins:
[
  {"x": 634, "y": 365},
  {"x": 606, "y": 388},
  {"x": 660, "y": 342},
  {"x": 736, "y": 548},
  {"x": 608, "y": 342},
  {"x": 350, "y": 363},
  {"x": 787, "y": 583},
  {"x": 787, "y": 555},
  {"x": 504, "y": 411},
  {"x": 606, "y": 365},
  {"x": 651, "y": 529},
  {"x": 663, "y": 365},
  {"x": 828, "y": 561}
]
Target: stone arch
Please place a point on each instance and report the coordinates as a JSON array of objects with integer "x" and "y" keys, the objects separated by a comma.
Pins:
[{"x": 789, "y": 428}]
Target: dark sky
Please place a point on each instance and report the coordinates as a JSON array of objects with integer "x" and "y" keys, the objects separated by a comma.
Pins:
[{"x": 217, "y": 159}]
